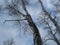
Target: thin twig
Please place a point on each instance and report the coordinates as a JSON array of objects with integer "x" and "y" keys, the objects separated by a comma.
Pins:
[
  {"x": 17, "y": 10},
  {"x": 14, "y": 20}
]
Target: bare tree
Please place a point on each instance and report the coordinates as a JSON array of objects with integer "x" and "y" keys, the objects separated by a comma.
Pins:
[
  {"x": 9, "y": 42},
  {"x": 49, "y": 15},
  {"x": 51, "y": 32},
  {"x": 53, "y": 20},
  {"x": 14, "y": 9}
]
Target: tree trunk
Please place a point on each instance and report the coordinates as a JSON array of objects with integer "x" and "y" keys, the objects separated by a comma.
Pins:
[{"x": 36, "y": 34}]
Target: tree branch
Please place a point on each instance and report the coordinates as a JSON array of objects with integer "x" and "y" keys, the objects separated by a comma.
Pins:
[
  {"x": 16, "y": 10},
  {"x": 4, "y": 13},
  {"x": 49, "y": 15},
  {"x": 24, "y": 7},
  {"x": 50, "y": 28},
  {"x": 48, "y": 39},
  {"x": 14, "y": 20}
]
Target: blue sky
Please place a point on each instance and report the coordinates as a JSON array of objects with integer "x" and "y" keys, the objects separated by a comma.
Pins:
[{"x": 9, "y": 30}]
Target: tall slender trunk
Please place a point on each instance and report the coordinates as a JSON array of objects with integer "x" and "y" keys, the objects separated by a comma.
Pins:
[
  {"x": 53, "y": 20},
  {"x": 36, "y": 34}
]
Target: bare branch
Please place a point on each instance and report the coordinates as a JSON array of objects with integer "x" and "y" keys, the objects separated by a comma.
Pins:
[
  {"x": 14, "y": 20},
  {"x": 3, "y": 13},
  {"x": 24, "y": 7},
  {"x": 50, "y": 28},
  {"x": 47, "y": 40},
  {"x": 49, "y": 15},
  {"x": 16, "y": 10}
]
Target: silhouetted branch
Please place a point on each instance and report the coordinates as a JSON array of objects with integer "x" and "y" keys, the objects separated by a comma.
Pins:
[
  {"x": 17, "y": 11},
  {"x": 36, "y": 34},
  {"x": 55, "y": 39},
  {"x": 49, "y": 15},
  {"x": 14, "y": 20},
  {"x": 48, "y": 40},
  {"x": 24, "y": 7},
  {"x": 3, "y": 13}
]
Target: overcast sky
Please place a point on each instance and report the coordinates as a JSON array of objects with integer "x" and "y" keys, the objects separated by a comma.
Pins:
[{"x": 9, "y": 30}]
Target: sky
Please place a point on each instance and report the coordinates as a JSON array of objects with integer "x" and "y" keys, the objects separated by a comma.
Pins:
[{"x": 9, "y": 30}]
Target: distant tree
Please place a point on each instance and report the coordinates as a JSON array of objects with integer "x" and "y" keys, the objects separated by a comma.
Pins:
[{"x": 9, "y": 42}]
